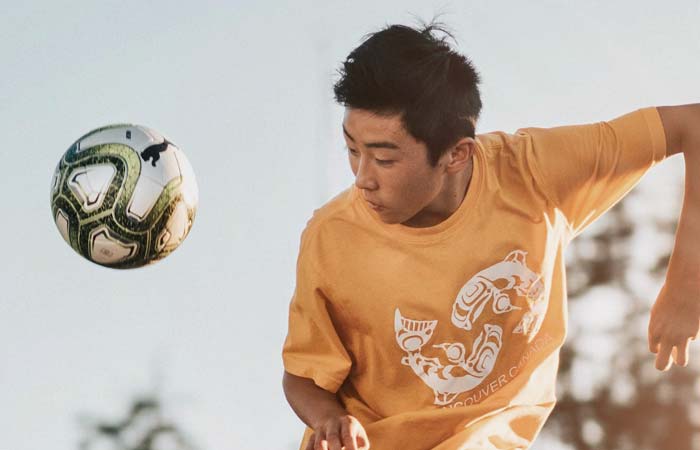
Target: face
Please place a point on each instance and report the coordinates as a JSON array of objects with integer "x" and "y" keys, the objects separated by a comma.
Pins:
[{"x": 392, "y": 170}]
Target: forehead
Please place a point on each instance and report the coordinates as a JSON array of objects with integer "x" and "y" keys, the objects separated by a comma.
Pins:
[{"x": 369, "y": 126}]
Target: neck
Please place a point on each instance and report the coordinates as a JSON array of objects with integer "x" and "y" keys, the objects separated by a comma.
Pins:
[{"x": 449, "y": 200}]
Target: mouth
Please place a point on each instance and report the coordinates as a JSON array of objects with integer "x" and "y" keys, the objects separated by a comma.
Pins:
[{"x": 374, "y": 206}]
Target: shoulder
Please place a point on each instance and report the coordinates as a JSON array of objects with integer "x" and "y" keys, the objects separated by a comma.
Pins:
[
  {"x": 499, "y": 147},
  {"x": 509, "y": 167},
  {"x": 339, "y": 209},
  {"x": 334, "y": 207}
]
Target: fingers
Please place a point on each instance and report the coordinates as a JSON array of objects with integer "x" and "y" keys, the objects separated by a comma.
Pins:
[
  {"x": 681, "y": 353},
  {"x": 362, "y": 441},
  {"x": 668, "y": 354},
  {"x": 663, "y": 361},
  {"x": 333, "y": 439},
  {"x": 345, "y": 433},
  {"x": 317, "y": 442},
  {"x": 354, "y": 434},
  {"x": 653, "y": 343},
  {"x": 348, "y": 437},
  {"x": 321, "y": 444}
]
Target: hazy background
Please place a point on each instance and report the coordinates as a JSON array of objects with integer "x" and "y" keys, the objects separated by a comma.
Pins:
[{"x": 244, "y": 88}]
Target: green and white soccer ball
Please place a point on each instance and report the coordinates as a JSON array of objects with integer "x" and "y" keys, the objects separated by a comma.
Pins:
[{"x": 123, "y": 196}]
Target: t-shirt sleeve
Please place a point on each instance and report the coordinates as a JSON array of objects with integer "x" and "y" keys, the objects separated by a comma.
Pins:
[
  {"x": 312, "y": 348},
  {"x": 586, "y": 169}
]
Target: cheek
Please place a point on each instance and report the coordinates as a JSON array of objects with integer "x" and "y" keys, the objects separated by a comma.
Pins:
[
  {"x": 406, "y": 188},
  {"x": 418, "y": 187},
  {"x": 417, "y": 177}
]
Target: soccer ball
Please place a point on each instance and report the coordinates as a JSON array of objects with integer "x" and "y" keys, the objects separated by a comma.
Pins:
[{"x": 123, "y": 196}]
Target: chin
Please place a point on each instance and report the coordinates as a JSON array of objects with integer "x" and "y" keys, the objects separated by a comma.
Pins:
[{"x": 390, "y": 219}]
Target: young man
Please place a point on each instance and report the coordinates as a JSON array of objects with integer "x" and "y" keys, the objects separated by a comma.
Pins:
[{"x": 430, "y": 303}]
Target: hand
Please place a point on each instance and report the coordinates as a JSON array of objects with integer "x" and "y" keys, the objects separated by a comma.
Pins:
[
  {"x": 337, "y": 433},
  {"x": 674, "y": 322}
]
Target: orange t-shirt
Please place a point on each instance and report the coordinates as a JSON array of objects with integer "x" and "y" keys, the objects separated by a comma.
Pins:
[{"x": 448, "y": 337}]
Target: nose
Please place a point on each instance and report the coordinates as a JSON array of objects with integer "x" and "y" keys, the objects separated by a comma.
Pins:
[{"x": 364, "y": 177}]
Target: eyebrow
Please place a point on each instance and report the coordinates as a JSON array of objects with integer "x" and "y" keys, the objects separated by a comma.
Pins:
[{"x": 380, "y": 144}]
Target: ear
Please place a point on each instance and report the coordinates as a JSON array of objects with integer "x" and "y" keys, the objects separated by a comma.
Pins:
[{"x": 457, "y": 158}]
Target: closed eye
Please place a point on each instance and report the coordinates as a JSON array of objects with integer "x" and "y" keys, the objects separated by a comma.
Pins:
[{"x": 381, "y": 162}]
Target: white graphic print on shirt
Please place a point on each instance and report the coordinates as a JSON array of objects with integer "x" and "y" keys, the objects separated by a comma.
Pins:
[{"x": 492, "y": 286}]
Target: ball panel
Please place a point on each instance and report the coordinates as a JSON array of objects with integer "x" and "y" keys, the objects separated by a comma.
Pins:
[
  {"x": 154, "y": 217},
  {"x": 90, "y": 185},
  {"x": 100, "y": 176},
  {"x": 69, "y": 213},
  {"x": 122, "y": 158},
  {"x": 106, "y": 243},
  {"x": 62, "y": 221},
  {"x": 107, "y": 248},
  {"x": 56, "y": 179},
  {"x": 162, "y": 240},
  {"x": 189, "y": 189},
  {"x": 146, "y": 194},
  {"x": 175, "y": 228}
]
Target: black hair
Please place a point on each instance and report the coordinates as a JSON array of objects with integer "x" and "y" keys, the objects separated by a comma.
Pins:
[{"x": 417, "y": 75}]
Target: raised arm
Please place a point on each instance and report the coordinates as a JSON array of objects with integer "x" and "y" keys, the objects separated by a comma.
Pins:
[
  {"x": 675, "y": 316},
  {"x": 682, "y": 128}
]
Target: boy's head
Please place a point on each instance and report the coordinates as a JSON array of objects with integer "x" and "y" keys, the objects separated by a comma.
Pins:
[
  {"x": 413, "y": 74},
  {"x": 411, "y": 105}
]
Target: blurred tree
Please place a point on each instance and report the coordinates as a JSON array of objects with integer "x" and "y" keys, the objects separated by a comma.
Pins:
[
  {"x": 610, "y": 396},
  {"x": 143, "y": 428}
]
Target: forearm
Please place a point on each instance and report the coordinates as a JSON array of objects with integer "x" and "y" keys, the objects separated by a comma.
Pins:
[
  {"x": 311, "y": 403},
  {"x": 684, "y": 266}
]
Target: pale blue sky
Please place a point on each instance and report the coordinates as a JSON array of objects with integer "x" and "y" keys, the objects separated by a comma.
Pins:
[{"x": 244, "y": 88}]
